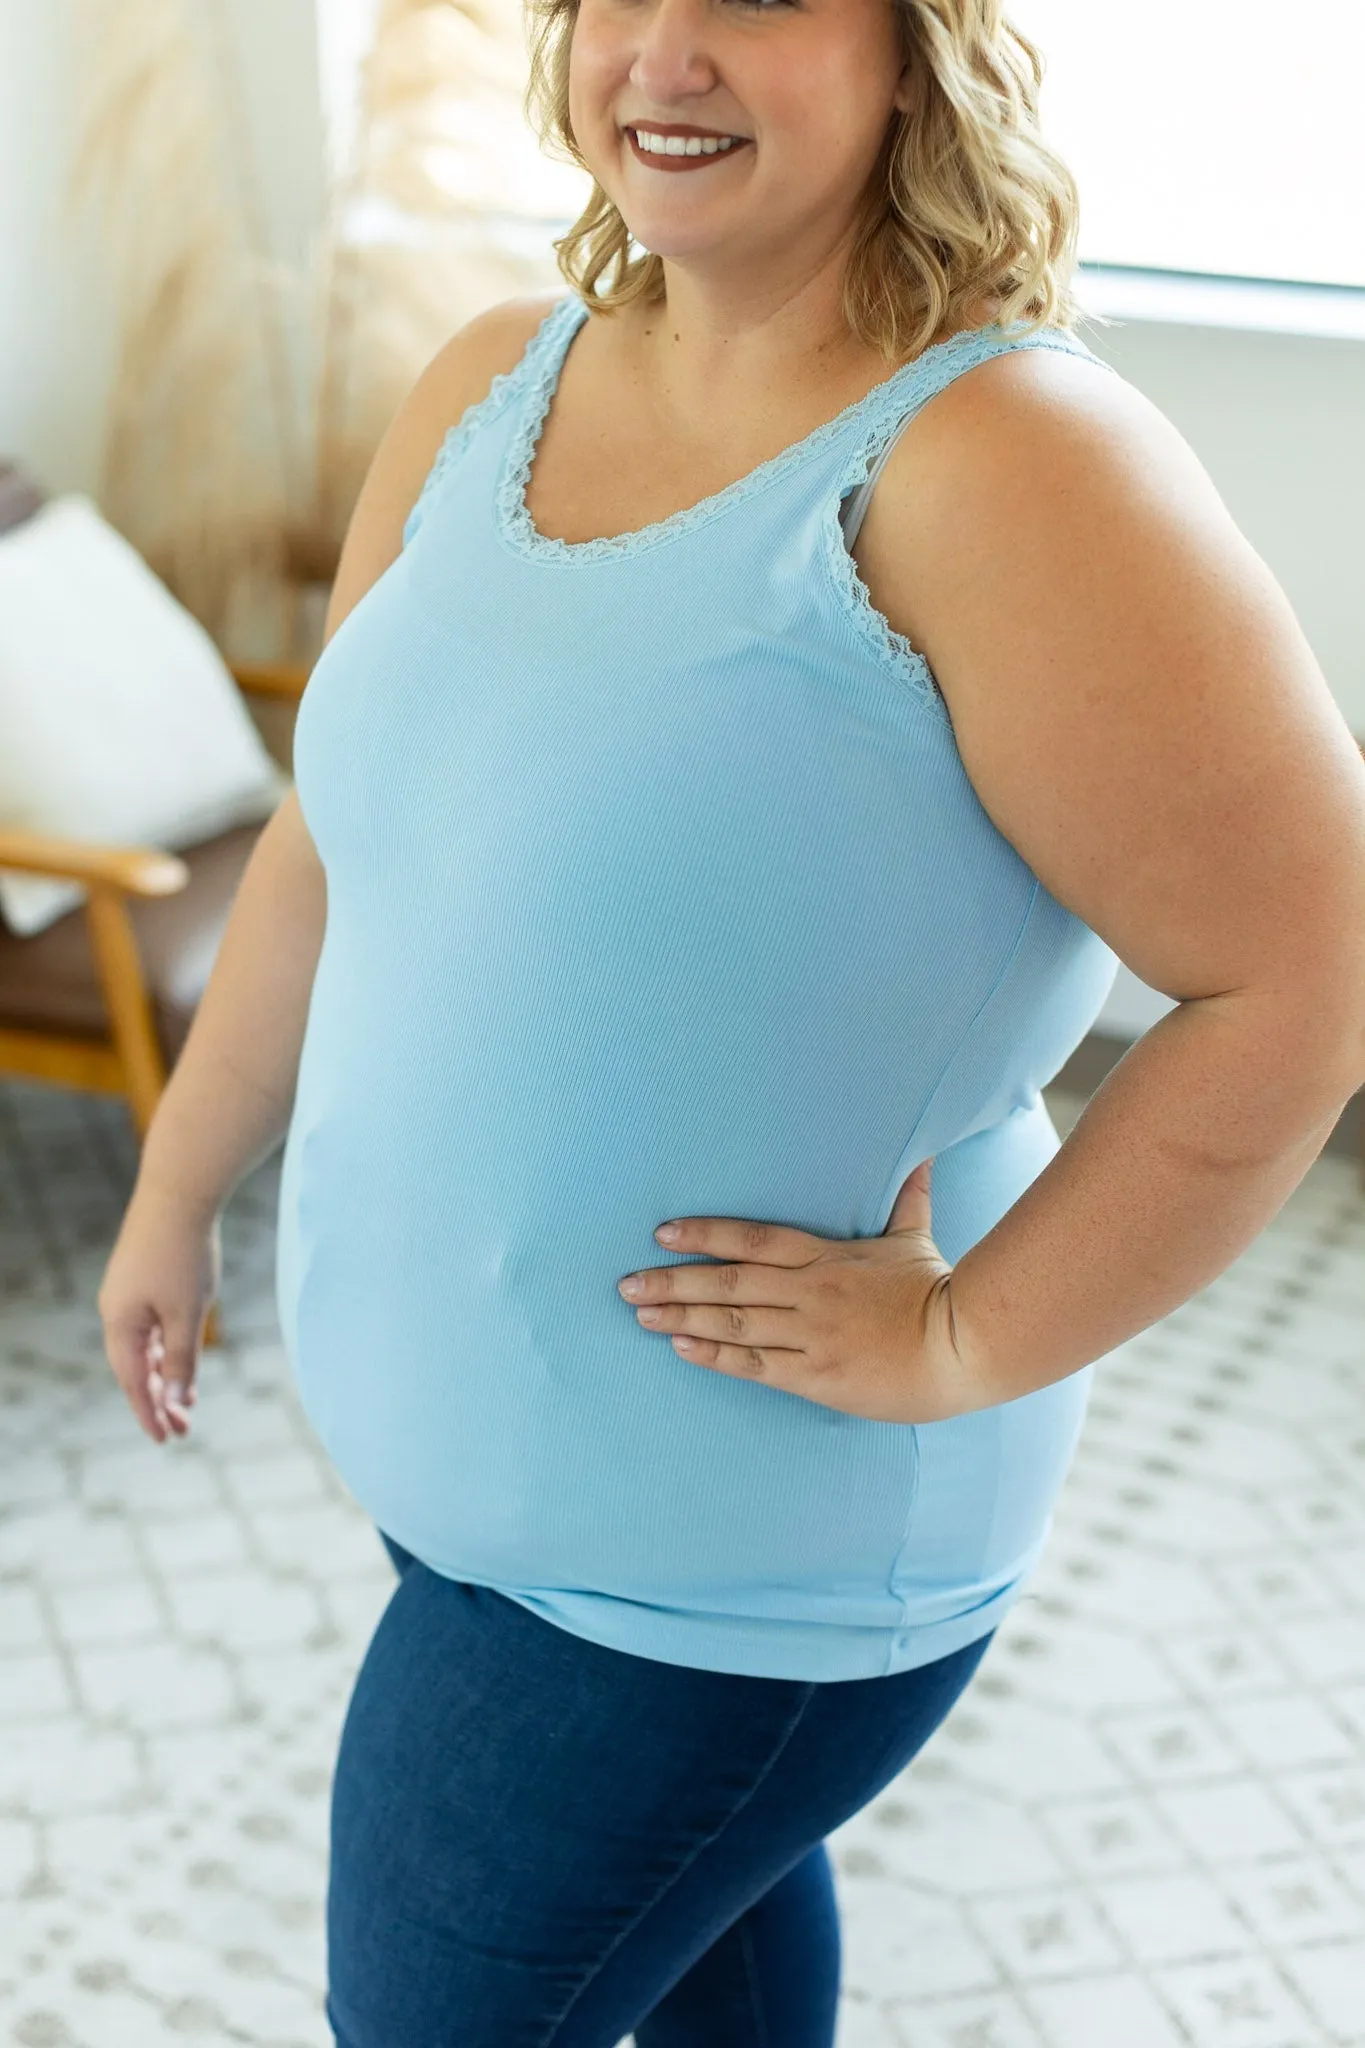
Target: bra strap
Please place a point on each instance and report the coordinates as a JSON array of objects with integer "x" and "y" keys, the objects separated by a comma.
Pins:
[{"x": 853, "y": 509}]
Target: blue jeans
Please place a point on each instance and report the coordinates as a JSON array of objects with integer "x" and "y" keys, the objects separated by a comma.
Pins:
[{"x": 540, "y": 1842}]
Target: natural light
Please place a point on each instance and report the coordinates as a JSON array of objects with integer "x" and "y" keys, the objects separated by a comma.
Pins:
[{"x": 1211, "y": 135}]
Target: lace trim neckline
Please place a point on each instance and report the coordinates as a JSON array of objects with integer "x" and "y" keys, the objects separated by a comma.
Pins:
[{"x": 542, "y": 364}]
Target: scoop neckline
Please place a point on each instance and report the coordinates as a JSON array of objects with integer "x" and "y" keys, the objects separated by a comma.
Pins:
[{"x": 514, "y": 517}]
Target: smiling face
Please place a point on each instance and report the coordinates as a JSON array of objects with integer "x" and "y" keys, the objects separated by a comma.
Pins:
[{"x": 808, "y": 86}]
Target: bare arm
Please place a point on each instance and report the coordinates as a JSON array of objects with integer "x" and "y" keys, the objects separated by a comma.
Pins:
[
  {"x": 1141, "y": 716},
  {"x": 227, "y": 1102}
]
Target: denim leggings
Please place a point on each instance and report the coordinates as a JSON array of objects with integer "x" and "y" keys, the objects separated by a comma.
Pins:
[{"x": 541, "y": 1842}]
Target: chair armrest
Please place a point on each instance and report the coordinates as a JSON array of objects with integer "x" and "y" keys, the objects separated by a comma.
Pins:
[
  {"x": 141, "y": 870},
  {"x": 270, "y": 678}
]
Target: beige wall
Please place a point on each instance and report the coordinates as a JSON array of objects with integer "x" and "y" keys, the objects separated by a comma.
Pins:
[{"x": 1279, "y": 422}]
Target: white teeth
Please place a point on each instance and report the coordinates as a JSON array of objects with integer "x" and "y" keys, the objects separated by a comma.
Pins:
[{"x": 683, "y": 145}]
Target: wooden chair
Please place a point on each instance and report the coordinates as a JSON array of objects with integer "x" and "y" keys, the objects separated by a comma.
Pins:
[{"x": 103, "y": 998}]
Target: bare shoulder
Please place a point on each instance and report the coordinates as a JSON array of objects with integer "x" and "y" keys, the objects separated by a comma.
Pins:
[
  {"x": 1026, "y": 447},
  {"x": 457, "y": 377},
  {"x": 489, "y": 345},
  {"x": 1041, "y": 484},
  {"x": 1043, "y": 496},
  {"x": 1132, "y": 696}
]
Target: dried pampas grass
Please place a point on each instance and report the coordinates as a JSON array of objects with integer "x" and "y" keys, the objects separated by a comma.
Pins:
[
  {"x": 237, "y": 490},
  {"x": 198, "y": 448}
]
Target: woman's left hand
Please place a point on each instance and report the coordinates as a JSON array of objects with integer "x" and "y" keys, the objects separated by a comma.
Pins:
[{"x": 861, "y": 1324}]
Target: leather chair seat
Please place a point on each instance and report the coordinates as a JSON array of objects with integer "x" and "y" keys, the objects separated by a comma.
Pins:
[{"x": 48, "y": 980}]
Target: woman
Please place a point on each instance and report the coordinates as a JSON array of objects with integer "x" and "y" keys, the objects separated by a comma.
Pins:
[{"x": 652, "y": 859}]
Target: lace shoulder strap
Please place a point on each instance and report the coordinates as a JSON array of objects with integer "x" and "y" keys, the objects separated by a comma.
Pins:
[
  {"x": 940, "y": 366},
  {"x": 532, "y": 366}
]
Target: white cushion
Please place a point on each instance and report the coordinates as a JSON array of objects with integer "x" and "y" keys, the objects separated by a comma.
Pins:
[{"x": 119, "y": 720}]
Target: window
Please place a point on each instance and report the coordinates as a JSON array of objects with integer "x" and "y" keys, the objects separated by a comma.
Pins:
[
  {"x": 1214, "y": 136},
  {"x": 1217, "y": 137}
]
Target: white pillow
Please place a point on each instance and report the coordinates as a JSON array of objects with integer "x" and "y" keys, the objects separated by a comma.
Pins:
[{"x": 119, "y": 719}]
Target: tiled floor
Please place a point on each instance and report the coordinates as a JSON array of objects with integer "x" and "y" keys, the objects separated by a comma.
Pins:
[{"x": 1143, "y": 1825}]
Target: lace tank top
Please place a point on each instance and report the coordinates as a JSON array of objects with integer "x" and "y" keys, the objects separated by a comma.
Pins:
[{"x": 656, "y": 887}]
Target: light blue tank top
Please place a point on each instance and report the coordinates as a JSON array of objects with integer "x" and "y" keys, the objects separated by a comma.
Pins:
[{"x": 656, "y": 887}]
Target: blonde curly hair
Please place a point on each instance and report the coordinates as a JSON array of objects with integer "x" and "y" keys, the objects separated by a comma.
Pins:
[{"x": 967, "y": 204}]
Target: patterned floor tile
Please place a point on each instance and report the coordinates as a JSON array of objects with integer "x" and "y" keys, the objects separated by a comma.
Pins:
[
  {"x": 1331, "y": 1982},
  {"x": 1046, "y": 1934},
  {"x": 1102, "y": 1668},
  {"x": 1233, "y": 1822},
  {"x": 1285, "y": 1730},
  {"x": 1101, "y": 1838},
  {"x": 996, "y": 2021},
  {"x": 862, "y": 2024},
  {"x": 1120, "y": 2011},
  {"x": 1326, "y": 1650},
  {"x": 1247, "y": 2004},
  {"x": 953, "y": 1839},
  {"x": 1344, "y": 1568},
  {"x": 1293, "y": 1900},
  {"x": 1173, "y": 1919},
  {"x": 900, "y": 1944},
  {"x": 1227, "y": 1663},
  {"x": 1171, "y": 1748},
  {"x": 1330, "y": 1804}
]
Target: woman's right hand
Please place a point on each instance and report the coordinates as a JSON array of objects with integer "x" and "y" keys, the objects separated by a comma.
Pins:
[{"x": 162, "y": 1276}]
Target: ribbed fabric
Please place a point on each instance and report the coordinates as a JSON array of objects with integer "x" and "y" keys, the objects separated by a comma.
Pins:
[{"x": 656, "y": 887}]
